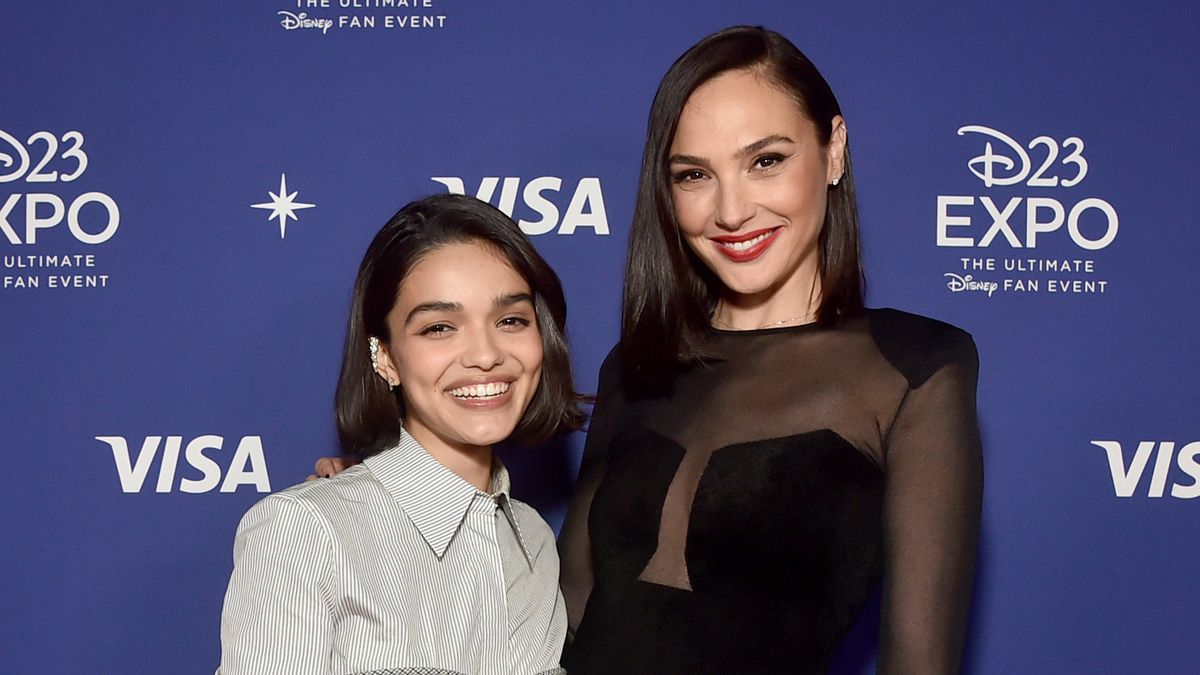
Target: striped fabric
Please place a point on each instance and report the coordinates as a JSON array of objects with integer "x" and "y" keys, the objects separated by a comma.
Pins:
[
  {"x": 396, "y": 565},
  {"x": 439, "y": 671}
]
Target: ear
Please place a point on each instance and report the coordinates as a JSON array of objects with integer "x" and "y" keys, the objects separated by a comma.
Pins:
[
  {"x": 385, "y": 366},
  {"x": 835, "y": 164}
]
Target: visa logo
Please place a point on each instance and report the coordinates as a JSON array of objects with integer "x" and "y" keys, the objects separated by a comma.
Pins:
[
  {"x": 1127, "y": 477},
  {"x": 247, "y": 467},
  {"x": 543, "y": 196}
]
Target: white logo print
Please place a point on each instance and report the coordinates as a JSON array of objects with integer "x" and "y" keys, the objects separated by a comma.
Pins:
[
  {"x": 23, "y": 166},
  {"x": 1031, "y": 202},
  {"x": 586, "y": 208},
  {"x": 1041, "y": 215},
  {"x": 46, "y": 169},
  {"x": 283, "y": 206},
  {"x": 1020, "y": 167},
  {"x": 1125, "y": 479},
  {"x": 957, "y": 284},
  {"x": 358, "y": 15},
  {"x": 248, "y": 466},
  {"x": 293, "y": 21}
]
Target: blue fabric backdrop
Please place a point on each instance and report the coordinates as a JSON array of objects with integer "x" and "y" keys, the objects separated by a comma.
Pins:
[{"x": 169, "y": 351}]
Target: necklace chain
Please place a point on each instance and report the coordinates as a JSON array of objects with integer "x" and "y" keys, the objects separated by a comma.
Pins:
[{"x": 771, "y": 324}]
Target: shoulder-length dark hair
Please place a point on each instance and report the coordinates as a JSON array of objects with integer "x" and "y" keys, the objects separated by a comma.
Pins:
[
  {"x": 368, "y": 412},
  {"x": 669, "y": 293}
]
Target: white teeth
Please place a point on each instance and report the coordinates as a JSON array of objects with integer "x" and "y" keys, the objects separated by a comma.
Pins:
[
  {"x": 743, "y": 245},
  {"x": 480, "y": 390}
]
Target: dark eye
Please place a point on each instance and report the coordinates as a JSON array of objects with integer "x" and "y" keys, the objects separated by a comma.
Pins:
[
  {"x": 514, "y": 322},
  {"x": 437, "y": 330},
  {"x": 768, "y": 161},
  {"x": 688, "y": 176}
]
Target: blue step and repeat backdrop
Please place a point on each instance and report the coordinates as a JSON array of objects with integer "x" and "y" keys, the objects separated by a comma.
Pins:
[{"x": 186, "y": 189}]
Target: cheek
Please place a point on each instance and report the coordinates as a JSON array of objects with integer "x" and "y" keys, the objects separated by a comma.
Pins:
[
  {"x": 420, "y": 364},
  {"x": 817, "y": 203},
  {"x": 526, "y": 348},
  {"x": 691, "y": 216},
  {"x": 531, "y": 354},
  {"x": 690, "y": 212},
  {"x": 812, "y": 193},
  {"x": 698, "y": 245},
  {"x": 802, "y": 201}
]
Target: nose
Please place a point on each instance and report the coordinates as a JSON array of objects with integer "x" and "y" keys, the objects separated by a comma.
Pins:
[
  {"x": 482, "y": 350},
  {"x": 733, "y": 206}
]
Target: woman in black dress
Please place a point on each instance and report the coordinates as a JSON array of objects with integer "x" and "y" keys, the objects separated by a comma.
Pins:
[{"x": 764, "y": 449}]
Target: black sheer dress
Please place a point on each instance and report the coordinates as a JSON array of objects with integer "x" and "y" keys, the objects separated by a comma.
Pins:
[{"x": 739, "y": 523}]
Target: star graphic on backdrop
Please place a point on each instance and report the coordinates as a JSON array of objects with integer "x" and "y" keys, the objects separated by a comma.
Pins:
[{"x": 282, "y": 206}]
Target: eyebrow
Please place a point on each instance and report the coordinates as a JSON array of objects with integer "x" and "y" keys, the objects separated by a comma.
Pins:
[
  {"x": 434, "y": 306},
  {"x": 501, "y": 301},
  {"x": 743, "y": 152},
  {"x": 512, "y": 299}
]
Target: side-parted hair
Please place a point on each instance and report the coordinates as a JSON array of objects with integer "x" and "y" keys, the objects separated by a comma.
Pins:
[
  {"x": 669, "y": 293},
  {"x": 368, "y": 412}
]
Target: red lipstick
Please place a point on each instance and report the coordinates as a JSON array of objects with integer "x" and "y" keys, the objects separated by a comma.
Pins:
[{"x": 722, "y": 243}]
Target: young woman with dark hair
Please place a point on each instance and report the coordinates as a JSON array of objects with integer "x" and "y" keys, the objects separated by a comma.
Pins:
[
  {"x": 763, "y": 449},
  {"x": 369, "y": 410},
  {"x": 417, "y": 560}
]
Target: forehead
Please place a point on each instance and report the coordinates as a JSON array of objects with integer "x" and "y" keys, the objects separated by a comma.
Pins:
[
  {"x": 739, "y": 107},
  {"x": 469, "y": 273}
]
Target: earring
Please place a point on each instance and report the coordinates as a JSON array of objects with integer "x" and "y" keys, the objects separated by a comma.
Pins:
[
  {"x": 373, "y": 346},
  {"x": 835, "y": 181}
]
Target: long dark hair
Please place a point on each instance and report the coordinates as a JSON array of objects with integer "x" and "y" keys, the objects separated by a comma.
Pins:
[
  {"x": 368, "y": 412},
  {"x": 669, "y": 293}
]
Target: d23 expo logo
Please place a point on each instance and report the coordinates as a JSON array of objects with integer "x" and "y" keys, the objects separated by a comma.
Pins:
[
  {"x": 48, "y": 225},
  {"x": 1033, "y": 203}
]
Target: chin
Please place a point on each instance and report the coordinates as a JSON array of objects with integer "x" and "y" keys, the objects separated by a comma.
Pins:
[
  {"x": 486, "y": 432},
  {"x": 748, "y": 284}
]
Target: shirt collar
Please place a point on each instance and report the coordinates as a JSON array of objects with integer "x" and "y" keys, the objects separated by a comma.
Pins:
[{"x": 435, "y": 498}]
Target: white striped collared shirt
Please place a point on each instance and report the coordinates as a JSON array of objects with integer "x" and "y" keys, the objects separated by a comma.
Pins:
[{"x": 396, "y": 565}]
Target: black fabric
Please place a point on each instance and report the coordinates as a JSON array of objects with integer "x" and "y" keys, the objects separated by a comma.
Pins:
[{"x": 739, "y": 523}]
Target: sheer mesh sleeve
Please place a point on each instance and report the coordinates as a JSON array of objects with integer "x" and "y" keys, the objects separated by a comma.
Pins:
[
  {"x": 932, "y": 505},
  {"x": 574, "y": 545}
]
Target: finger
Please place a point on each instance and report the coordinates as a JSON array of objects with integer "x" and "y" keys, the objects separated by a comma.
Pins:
[{"x": 324, "y": 467}]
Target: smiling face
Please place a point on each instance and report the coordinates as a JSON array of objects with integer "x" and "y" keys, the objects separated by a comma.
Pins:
[
  {"x": 749, "y": 181},
  {"x": 464, "y": 348}
]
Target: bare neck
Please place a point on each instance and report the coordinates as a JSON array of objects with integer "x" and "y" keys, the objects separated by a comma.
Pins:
[{"x": 472, "y": 463}]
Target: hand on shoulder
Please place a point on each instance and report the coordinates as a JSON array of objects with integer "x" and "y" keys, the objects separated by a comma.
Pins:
[{"x": 327, "y": 467}]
